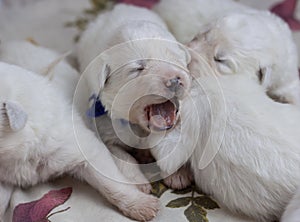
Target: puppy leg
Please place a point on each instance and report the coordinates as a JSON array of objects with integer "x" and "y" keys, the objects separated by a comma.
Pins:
[
  {"x": 127, "y": 198},
  {"x": 129, "y": 167},
  {"x": 97, "y": 169},
  {"x": 5, "y": 195},
  {"x": 180, "y": 179}
]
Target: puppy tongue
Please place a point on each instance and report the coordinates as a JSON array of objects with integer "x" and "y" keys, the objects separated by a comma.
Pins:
[{"x": 162, "y": 116}]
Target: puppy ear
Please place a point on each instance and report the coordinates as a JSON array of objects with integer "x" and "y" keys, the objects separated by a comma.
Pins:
[
  {"x": 104, "y": 75},
  {"x": 92, "y": 81},
  {"x": 14, "y": 115}
]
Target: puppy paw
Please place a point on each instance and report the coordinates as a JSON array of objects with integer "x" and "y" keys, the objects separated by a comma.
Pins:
[
  {"x": 143, "y": 208},
  {"x": 145, "y": 188},
  {"x": 180, "y": 179}
]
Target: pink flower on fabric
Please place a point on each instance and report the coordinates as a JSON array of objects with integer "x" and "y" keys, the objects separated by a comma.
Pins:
[
  {"x": 286, "y": 11},
  {"x": 142, "y": 3},
  {"x": 37, "y": 211}
]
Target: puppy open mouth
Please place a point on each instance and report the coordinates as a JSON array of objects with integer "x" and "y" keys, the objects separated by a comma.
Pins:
[{"x": 162, "y": 116}]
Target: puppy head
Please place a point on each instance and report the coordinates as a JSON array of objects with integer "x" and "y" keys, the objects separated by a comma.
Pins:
[
  {"x": 142, "y": 80},
  {"x": 146, "y": 92},
  {"x": 236, "y": 43}
]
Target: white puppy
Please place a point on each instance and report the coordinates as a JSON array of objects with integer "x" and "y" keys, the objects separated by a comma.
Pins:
[
  {"x": 42, "y": 137},
  {"x": 236, "y": 38},
  {"x": 292, "y": 211},
  {"x": 247, "y": 154},
  {"x": 141, "y": 75}
]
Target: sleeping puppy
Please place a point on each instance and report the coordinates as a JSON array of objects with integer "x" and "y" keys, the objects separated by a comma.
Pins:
[
  {"x": 238, "y": 41},
  {"x": 139, "y": 72},
  {"x": 237, "y": 38},
  {"x": 42, "y": 137},
  {"x": 292, "y": 211},
  {"x": 246, "y": 157}
]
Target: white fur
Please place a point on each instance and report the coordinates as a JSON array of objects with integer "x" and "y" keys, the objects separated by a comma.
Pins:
[
  {"x": 40, "y": 60},
  {"x": 131, "y": 34},
  {"x": 42, "y": 20},
  {"x": 49, "y": 146},
  {"x": 186, "y": 18},
  {"x": 239, "y": 38},
  {"x": 252, "y": 145},
  {"x": 239, "y": 42},
  {"x": 292, "y": 211},
  {"x": 124, "y": 23}
]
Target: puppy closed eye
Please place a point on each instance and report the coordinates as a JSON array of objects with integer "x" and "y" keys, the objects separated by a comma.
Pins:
[
  {"x": 226, "y": 66},
  {"x": 139, "y": 69}
]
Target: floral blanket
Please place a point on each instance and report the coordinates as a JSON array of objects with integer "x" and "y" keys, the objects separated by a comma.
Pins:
[{"x": 73, "y": 201}]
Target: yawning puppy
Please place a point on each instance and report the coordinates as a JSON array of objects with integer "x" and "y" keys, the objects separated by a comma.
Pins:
[
  {"x": 247, "y": 154},
  {"x": 138, "y": 47},
  {"x": 138, "y": 71},
  {"x": 43, "y": 137},
  {"x": 235, "y": 37}
]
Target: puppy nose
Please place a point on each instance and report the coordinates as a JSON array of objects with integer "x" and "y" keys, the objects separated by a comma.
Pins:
[{"x": 173, "y": 84}]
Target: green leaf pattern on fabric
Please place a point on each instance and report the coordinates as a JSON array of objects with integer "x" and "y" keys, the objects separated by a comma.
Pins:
[
  {"x": 195, "y": 213},
  {"x": 180, "y": 202},
  {"x": 206, "y": 202},
  {"x": 158, "y": 188},
  {"x": 197, "y": 204}
]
